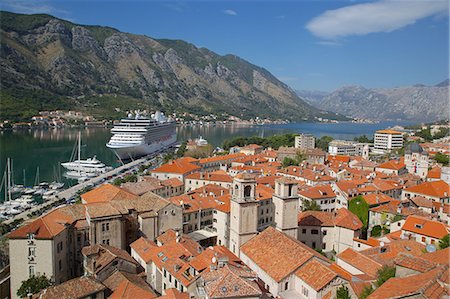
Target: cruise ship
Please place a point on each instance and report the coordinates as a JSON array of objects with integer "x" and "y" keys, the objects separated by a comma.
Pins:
[{"x": 138, "y": 135}]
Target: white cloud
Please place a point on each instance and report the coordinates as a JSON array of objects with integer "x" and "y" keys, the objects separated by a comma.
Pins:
[
  {"x": 381, "y": 16},
  {"x": 230, "y": 12},
  {"x": 30, "y": 7}
]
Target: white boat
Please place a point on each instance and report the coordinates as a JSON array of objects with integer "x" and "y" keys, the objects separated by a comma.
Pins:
[
  {"x": 56, "y": 185},
  {"x": 79, "y": 168},
  {"x": 49, "y": 193},
  {"x": 138, "y": 135}
]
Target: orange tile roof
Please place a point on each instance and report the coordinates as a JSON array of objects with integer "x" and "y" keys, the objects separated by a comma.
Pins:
[
  {"x": 231, "y": 282},
  {"x": 372, "y": 242},
  {"x": 174, "y": 294},
  {"x": 414, "y": 263},
  {"x": 277, "y": 261},
  {"x": 179, "y": 166},
  {"x": 378, "y": 198},
  {"x": 129, "y": 290},
  {"x": 173, "y": 182},
  {"x": 439, "y": 256},
  {"x": 339, "y": 158},
  {"x": 80, "y": 287},
  {"x": 341, "y": 218},
  {"x": 388, "y": 132},
  {"x": 106, "y": 192},
  {"x": 392, "y": 249},
  {"x": 419, "y": 284},
  {"x": 51, "y": 224},
  {"x": 425, "y": 227},
  {"x": 421, "y": 201},
  {"x": 316, "y": 274},
  {"x": 318, "y": 192},
  {"x": 229, "y": 157},
  {"x": 392, "y": 164},
  {"x": 435, "y": 189},
  {"x": 142, "y": 247},
  {"x": 219, "y": 176},
  {"x": 360, "y": 262},
  {"x": 434, "y": 173}
]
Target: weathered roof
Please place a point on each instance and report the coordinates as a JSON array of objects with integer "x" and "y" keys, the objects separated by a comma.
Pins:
[
  {"x": 76, "y": 288},
  {"x": 277, "y": 254}
]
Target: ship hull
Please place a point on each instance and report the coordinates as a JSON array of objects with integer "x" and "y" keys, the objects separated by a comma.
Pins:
[{"x": 127, "y": 152}]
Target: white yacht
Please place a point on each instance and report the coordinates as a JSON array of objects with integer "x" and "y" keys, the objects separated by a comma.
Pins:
[
  {"x": 77, "y": 168},
  {"x": 138, "y": 135}
]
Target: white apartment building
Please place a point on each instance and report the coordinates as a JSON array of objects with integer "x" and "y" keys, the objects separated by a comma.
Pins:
[
  {"x": 305, "y": 141},
  {"x": 387, "y": 140},
  {"x": 348, "y": 148}
]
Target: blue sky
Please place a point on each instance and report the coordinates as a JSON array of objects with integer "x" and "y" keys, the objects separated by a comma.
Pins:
[{"x": 320, "y": 45}]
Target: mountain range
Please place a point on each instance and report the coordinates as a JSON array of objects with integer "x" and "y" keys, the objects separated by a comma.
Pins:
[
  {"x": 49, "y": 63},
  {"x": 414, "y": 103}
]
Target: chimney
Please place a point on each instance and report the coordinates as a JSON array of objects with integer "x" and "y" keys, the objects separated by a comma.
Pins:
[
  {"x": 201, "y": 175},
  {"x": 221, "y": 192},
  {"x": 170, "y": 162}
]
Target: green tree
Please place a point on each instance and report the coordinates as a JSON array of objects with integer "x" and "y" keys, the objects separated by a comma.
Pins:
[
  {"x": 310, "y": 205},
  {"x": 441, "y": 158},
  {"x": 33, "y": 285},
  {"x": 287, "y": 161},
  {"x": 342, "y": 293},
  {"x": 360, "y": 208},
  {"x": 376, "y": 231},
  {"x": 181, "y": 150},
  {"x": 323, "y": 142},
  {"x": 300, "y": 157},
  {"x": 363, "y": 139},
  {"x": 384, "y": 274},
  {"x": 366, "y": 292},
  {"x": 444, "y": 242}
]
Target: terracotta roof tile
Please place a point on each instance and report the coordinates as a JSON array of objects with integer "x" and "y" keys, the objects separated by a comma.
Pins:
[
  {"x": 435, "y": 189},
  {"x": 389, "y": 132},
  {"x": 231, "y": 282},
  {"x": 434, "y": 173},
  {"x": 51, "y": 224},
  {"x": 378, "y": 198},
  {"x": 106, "y": 192},
  {"x": 174, "y": 294},
  {"x": 425, "y": 227},
  {"x": 76, "y": 288},
  {"x": 318, "y": 192},
  {"x": 413, "y": 262},
  {"x": 341, "y": 218},
  {"x": 180, "y": 166},
  {"x": 316, "y": 274},
  {"x": 360, "y": 262},
  {"x": 393, "y": 165},
  {"x": 439, "y": 256},
  {"x": 419, "y": 284},
  {"x": 277, "y": 261}
]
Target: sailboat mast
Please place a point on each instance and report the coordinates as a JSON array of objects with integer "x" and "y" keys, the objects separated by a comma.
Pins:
[
  {"x": 9, "y": 179},
  {"x": 79, "y": 152},
  {"x": 24, "y": 177}
]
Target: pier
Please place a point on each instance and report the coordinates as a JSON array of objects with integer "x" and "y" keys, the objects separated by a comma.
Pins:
[{"x": 71, "y": 192}]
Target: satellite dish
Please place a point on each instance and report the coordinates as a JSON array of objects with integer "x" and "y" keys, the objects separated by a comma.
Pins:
[
  {"x": 214, "y": 260},
  {"x": 382, "y": 244},
  {"x": 430, "y": 248}
]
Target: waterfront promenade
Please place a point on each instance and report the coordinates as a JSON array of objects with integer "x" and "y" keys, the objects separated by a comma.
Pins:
[{"x": 71, "y": 192}]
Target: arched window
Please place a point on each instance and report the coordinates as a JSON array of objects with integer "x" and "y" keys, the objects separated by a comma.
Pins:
[
  {"x": 247, "y": 191},
  {"x": 286, "y": 285},
  {"x": 291, "y": 188}
]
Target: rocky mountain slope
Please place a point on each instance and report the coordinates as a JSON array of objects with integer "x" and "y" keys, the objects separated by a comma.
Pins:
[
  {"x": 48, "y": 63},
  {"x": 419, "y": 102}
]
